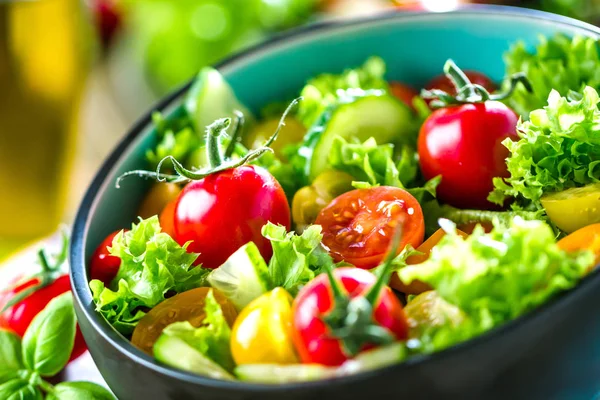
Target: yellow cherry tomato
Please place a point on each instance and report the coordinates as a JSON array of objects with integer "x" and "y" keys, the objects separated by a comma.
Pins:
[
  {"x": 158, "y": 197},
  {"x": 416, "y": 286},
  {"x": 262, "y": 333},
  {"x": 586, "y": 238},
  {"x": 292, "y": 132},
  {"x": 573, "y": 208}
]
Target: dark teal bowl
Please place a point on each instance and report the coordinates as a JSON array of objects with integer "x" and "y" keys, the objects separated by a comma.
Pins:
[{"x": 552, "y": 353}]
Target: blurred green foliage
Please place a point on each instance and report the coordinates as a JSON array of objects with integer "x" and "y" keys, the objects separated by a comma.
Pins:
[
  {"x": 176, "y": 38},
  {"x": 587, "y": 10}
]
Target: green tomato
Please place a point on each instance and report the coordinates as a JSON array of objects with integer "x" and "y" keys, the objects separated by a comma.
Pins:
[
  {"x": 573, "y": 208},
  {"x": 429, "y": 311},
  {"x": 310, "y": 200},
  {"x": 292, "y": 132}
]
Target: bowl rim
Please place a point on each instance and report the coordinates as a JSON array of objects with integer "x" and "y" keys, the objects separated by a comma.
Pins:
[{"x": 78, "y": 270}]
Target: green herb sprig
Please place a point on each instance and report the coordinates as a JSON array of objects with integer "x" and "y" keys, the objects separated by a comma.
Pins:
[{"x": 44, "y": 352}]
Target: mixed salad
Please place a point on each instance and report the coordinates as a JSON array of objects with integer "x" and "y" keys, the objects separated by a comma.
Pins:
[{"x": 362, "y": 223}]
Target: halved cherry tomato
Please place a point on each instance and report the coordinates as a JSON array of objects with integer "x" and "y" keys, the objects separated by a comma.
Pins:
[
  {"x": 225, "y": 210},
  {"x": 159, "y": 196},
  {"x": 442, "y": 82},
  {"x": 262, "y": 333},
  {"x": 186, "y": 306},
  {"x": 404, "y": 93},
  {"x": 574, "y": 208},
  {"x": 416, "y": 286},
  {"x": 586, "y": 238},
  {"x": 314, "y": 340},
  {"x": 18, "y": 317},
  {"x": 358, "y": 225},
  {"x": 103, "y": 266}
]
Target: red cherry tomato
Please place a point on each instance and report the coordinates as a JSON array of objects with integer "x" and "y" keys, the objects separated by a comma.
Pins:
[
  {"x": 226, "y": 210},
  {"x": 404, "y": 93},
  {"x": 103, "y": 266},
  {"x": 18, "y": 317},
  {"x": 108, "y": 19},
  {"x": 358, "y": 225},
  {"x": 442, "y": 82},
  {"x": 311, "y": 334},
  {"x": 463, "y": 145}
]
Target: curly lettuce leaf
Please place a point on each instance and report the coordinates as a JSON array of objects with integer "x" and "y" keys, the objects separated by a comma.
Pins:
[
  {"x": 323, "y": 90},
  {"x": 296, "y": 259},
  {"x": 558, "y": 148},
  {"x": 176, "y": 138},
  {"x": 373, "y": 165},
  {"x": 559, "y": 63},
  {"x": 499, "y": 276},
  {"x": 212, "y": 338},
  {"x": 152, "y": 264}
]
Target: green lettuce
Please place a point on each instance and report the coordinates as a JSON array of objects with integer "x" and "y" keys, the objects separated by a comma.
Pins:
[
  {"x": 558, "y": 148},
  {"x": 176, "y": 138},
  {"x": 296, "y": 259},
  {"x": 560, "y": 63},
  {"x": 323, "y": 90},
  {"x": 373, "y": 165},
  {"x": 499, "y": 276},
  {"x": 212, "y": 338},
  {"x": 152, "y": 264}
]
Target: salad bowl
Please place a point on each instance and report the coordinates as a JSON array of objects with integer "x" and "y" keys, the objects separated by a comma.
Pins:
[{"x": 550, "y": 353}]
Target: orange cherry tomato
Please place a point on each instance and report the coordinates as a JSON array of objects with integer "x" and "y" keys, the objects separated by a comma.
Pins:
[
  {"x": 167, "y": 218},
  {"x": 186, "y": 306},
  {"x": 416, "y": 286},
  {"x": 586, "y": 238},
  {"x": 158, "y": 197}
]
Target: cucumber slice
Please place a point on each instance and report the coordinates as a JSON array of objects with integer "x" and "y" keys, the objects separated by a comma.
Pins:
[
  {"x": 374, "y": 359},
  {"x": 211, "y": 98},
  {"x": 381, "y": 117},
  {"x": 177, "y": 353},
  {"x": 243, "y": 277},
  {"x": 277, "y": 374}
]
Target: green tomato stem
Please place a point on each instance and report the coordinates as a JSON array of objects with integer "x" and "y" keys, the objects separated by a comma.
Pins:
[
  {"x": 468, "y": 92},
  {"x": 458, "y": 78},
  {"x": 214, "y": 131},
  {"x": 238, "y": 124},
  {"x": 385, "y": 271}
]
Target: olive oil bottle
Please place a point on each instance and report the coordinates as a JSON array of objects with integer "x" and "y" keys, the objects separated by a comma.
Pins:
[{"x": 42, "y": 68}]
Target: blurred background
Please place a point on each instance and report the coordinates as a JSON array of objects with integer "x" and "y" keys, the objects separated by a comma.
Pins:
[{"x": 75, "y": 74}]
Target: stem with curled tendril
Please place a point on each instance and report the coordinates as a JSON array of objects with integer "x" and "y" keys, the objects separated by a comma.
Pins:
[{"x": 218, "y": 161}]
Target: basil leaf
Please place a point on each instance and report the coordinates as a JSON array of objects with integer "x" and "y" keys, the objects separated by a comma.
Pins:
[
  {"x": 10, "y": 355},
  {"x": 19, "y": 389},
  {"x": 80, "y": 391},
  {"x": 48, "y": 342}
]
